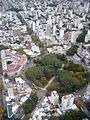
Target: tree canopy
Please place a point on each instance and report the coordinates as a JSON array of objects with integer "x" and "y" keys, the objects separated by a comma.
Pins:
[
  {"x": 1, "y": 112},
  {"x": 1, "y": 86},
  {"x": 50, "y": 59},
  {"x": 72, "y": 50},
  {"x": 35, "y": 73},
  {"x": 70, "y": 66},
  {"x": 67, "y": 81},
  {"x": 73, "y": 115},
  {"x": 81, "y": 37},
  {"x": 45, "y": 69},
  {"x": 30, "y": 104},
  {"x": 2, "y": 47},
  {"x": 21, "y": 19},
  {"x": 37, "y": 40},
  {"x": 30, "y": 31},
  {"x": 17, "y": 119},
  {"x": 71, "y": 77}
]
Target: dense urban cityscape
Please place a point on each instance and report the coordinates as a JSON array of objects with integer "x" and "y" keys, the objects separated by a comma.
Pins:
[{"x": 44, "y": 59}]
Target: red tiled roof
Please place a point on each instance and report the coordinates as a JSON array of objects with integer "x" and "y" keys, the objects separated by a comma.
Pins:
[
  {"x": 22, "y": 60},
  {"x": 15, "y": 67},
  {"x": 12, "y": 68}
]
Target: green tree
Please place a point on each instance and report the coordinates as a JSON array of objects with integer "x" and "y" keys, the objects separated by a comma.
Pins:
[
  {"x": 81, "y": 37},
  {"x": 6, "y": 75},
  {"x": 35, "y": 73},
  {"x": 49, "y": 71},
  {"x": 9, "y": 62},
  {"x": 67, "y": 81},
  {"x": 73, "y": 115},
  {"x": 62, "y": 57},
  {"x": 1, "y": 86},
  {"x": 40, "y": 74},
  {"x": 53, "y": 118},
  {"x": 72, "y": 50},
  {"x": 37, "y": 40},
  {"x": 70, "y": 66},
  {"x": 21, "y": 19},
  {"x": 50, "y": 59},
  {"x": 17, "y": 119},
  {"x": 86, "y": 75},
  {"x": 30, "y": 31},
  {"x": 2, "y": 47},
  {"x": 30, "y": 104},
  {"x": 44, "y": 81},
  {"x": 1, "y": 112}
]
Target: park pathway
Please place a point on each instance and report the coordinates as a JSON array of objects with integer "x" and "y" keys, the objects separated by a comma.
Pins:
[{"x": 49, "y": 83}]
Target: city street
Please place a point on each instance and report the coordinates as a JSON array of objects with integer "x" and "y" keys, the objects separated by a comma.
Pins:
[{"x": 80, "y": 94}]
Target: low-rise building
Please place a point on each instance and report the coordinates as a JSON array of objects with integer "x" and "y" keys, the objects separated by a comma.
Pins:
[
  {"x": 12, "y": 62},
  {"x": 17, "y": 93}
]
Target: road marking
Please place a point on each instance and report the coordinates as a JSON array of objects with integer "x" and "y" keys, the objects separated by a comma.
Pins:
[{"x": 22, "y": 117}]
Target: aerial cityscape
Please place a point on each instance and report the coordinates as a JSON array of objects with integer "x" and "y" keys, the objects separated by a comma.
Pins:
[{"x": 44, "y": 59}]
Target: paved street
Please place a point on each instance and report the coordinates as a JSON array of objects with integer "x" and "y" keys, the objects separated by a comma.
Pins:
[
  {"x": 81, "y": 91},
  {"x": 20, "y": 114},
  {"x": 80, "y": 95}
]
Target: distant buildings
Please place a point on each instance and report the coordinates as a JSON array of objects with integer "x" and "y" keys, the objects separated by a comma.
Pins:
[
  {"x": 87, "y": 37},
  {"x": 74, "y": 35},
  {"x": 33, "y": 50},
  {"x": 16, "y": 31},
  {"x": 53, "y": 24},
  {"x": 61, "y": 33},
  {"x": 83, "y": 55},
  {"x": 48, "y": 30}
]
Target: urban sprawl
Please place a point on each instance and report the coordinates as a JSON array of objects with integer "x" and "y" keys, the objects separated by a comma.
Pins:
[{"x": 44, "y": 60}]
